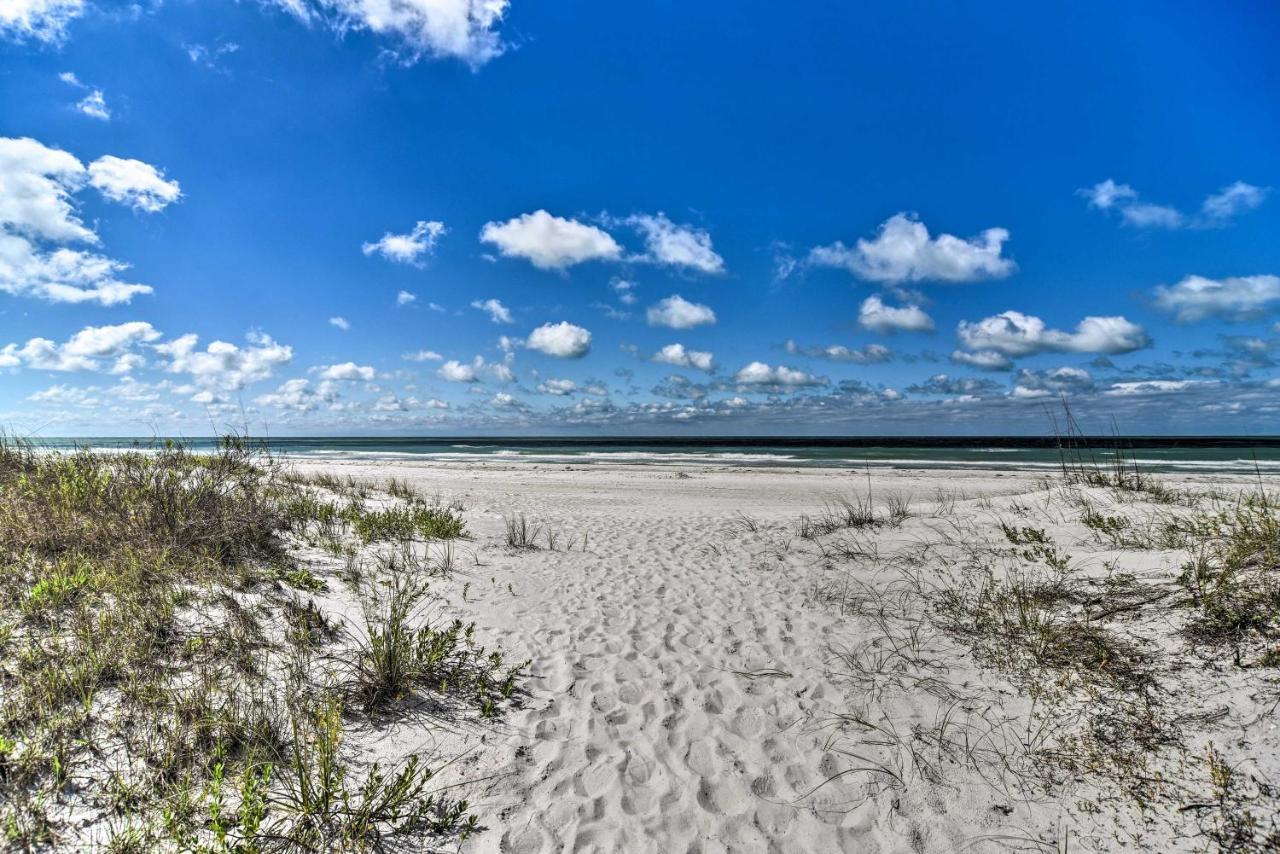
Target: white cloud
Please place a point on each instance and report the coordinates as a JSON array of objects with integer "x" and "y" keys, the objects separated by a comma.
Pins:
[
  {"x": 224, "y": 365},
  {"x": 406, "y": 298},
  {"x": 1128, "y": 389},
  {"x": 45, "y": 20},
  {"x": 345, "y": 372},
  {"x": 134, "y": 183},
  {"x": 503, "y": 399},
  {"x": 408, "y": 248},
  {"x": 454, "y": 29},
  {"x": 63, "y": 275},
  {"x": 456, "y": 372},
  {"x": 761, "y": 374},
  {"x": 1148, "y": 215},
  {"x": 1106, "y": 194},
  {"x": 423, "y": 356},
  {"x": 625, "y": 290},
  {"x": 550, "y": 242},
  {"x": 498, "y": 312},
  {"x": 83, "y": 351},
  {"x": 868, "y": 355},
  {"x": 676, "y": 354},
  {"x": 1217, "y": 209},
  {"x": 676, "y": 245},
  {"x": 1052, "y": 383},
  {"x": 986, "y": 360},
  {"x": 36, "y": 183},
  {"x": 1015, "y": 334},
  {"x": 676, "y": 312},
  {"x": 557, "y": 387},
  {"x": 340, "y": 322},
  {"x": 294, "y": 394},
  {"x": 1233, "y": 200},
  {"x": 562, "y": 340},
  {"x": 904, "y": 252},
  {"x": 1196, "y": 297},
  {"x": 94, "y": 104},
  {"x": 878, "y": 317}
]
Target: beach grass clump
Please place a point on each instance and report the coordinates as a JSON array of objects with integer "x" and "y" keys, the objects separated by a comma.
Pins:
[
  {"x": 839, "y": 514},
  {"x": 148, "y": 609},
  {"x": 407, "y": 522},
  {"x": 521, "y": 533},
  {"x": 403, "y": 651},
  {"x": 1233, "y": 578}
]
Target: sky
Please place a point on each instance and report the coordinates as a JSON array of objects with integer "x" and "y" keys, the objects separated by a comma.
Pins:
[{"x": 503, "y": 217}]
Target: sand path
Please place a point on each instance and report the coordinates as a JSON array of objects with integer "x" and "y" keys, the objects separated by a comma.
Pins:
[{"x": 680, "y": 697}]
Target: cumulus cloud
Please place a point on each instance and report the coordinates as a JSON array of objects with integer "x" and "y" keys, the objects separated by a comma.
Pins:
[
  {"x": 761, "y": 374},
  {"x": 676, "y": 354},
  {"x": 408, "y": 248},
  {"x": 1217, "y": 209},
  {"x": 1236, "y": 298},
  {"x": 423, "y": 356},
  {"x": 676, "y": 312},
  {"x": 340, "y": 322},
  {"x": 868, "y": 355},
  {"x": 37, "y": 186},
  {"x": 903, "y": 251},
  {"x": 346, "y": 371},
  {"x": 497, "y": 312},
  {"x": 876, "y": 316},
  {"x": 1051, "y": 383},
  {"x": 83, "y": 351},
  {"x": 457, "y": 372},
  {"x": 1015, "y": 334},
  {"x": 550, "y": 242},
  {"x": 563, "y": 340},
  {"x": 43, "y": 20},
  {"x": 441, "y": 29},
  {"x": 134, "y": 183},
  {"x": 986, "y": 360},
  {"x": 296, "y": 394},
  {"x": 557, "y": 387},
  {"x": 222, "y": 365},
  {"x": 676, "y": 245}
]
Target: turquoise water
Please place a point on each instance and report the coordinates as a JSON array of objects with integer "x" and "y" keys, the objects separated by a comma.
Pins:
[{"x": 1242, "y": 455}]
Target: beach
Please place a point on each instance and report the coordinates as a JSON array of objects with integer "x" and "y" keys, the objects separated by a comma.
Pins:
[
  {"x": 226, "y": 650},
  {"x": 699, "y": 676}
]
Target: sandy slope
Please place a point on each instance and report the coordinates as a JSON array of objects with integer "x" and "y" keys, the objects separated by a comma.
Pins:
[{"x": 681, "y": 696}]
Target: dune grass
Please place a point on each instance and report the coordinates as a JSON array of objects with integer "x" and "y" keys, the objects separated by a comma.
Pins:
[
  {"x": 155, "y": 640},
  {"x": 1084, "y": 642}
]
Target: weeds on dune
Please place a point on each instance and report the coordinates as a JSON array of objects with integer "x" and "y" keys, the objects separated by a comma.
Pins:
[
  {"x": 139, "y": 604},
  {"x": 415, "y": 521},
  {"x": 1243, "y": 814},
  {"x": 521, "y": 534},
  {"x": 402, "y": 651},
  {"x": 1233, "y": 579}
]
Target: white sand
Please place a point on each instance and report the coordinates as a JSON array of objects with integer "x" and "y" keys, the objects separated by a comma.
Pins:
[{"x": 683, "y": 689}]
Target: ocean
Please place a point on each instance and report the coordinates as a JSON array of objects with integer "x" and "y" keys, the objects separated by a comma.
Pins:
[{"x": 1219, "y": 454}]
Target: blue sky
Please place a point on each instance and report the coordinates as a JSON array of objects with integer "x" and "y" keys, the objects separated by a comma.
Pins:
[{"x": 475, "y": 216}]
